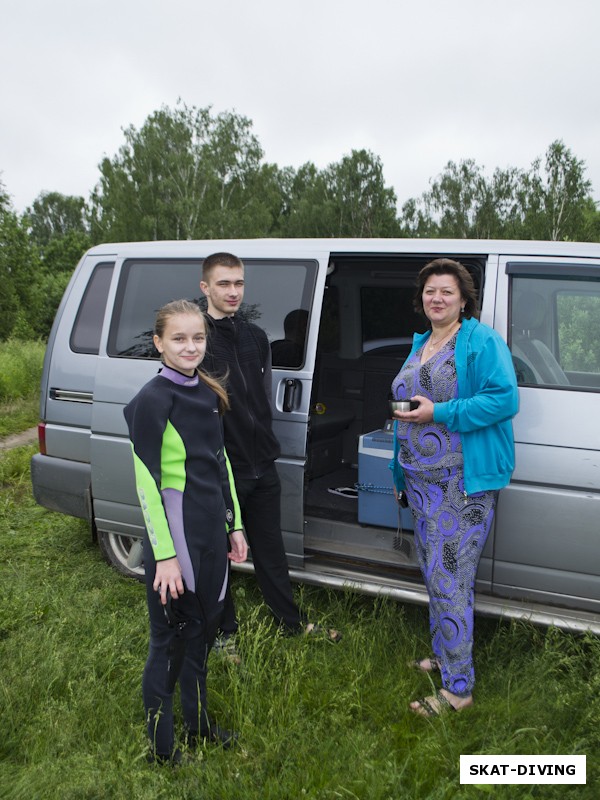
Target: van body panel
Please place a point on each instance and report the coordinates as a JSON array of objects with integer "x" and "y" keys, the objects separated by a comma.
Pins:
[
  {"x": 74, "y": 372},
  {"x": 113, "y": 480},
  {"x": 61, "y": 485},
  {"x": 558, "y": 466},
  {"x": 540, "y": 560},
  {"x": 547, "y": 531},
  {"x": 119, "y": 518},
  {"x": 554, "y": 418},
  {"x": 68, "y": 442},
  {"x": 572, "y": 590}
]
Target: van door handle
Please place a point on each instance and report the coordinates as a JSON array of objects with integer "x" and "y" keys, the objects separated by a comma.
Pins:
[{"x": 292, "y": 394}]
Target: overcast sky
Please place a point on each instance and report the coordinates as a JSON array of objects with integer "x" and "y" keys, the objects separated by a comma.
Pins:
[{"x": 417, "y": 83}]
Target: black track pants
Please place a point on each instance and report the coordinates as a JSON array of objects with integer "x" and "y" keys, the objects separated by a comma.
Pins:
[{"x": 260, "y": 502}]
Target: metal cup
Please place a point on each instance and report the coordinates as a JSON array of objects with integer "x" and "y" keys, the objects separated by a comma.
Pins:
[{"x": 403, "y": 405}]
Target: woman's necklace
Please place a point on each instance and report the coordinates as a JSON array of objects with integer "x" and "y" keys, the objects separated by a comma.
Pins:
[{"x": 432, "y": 345}]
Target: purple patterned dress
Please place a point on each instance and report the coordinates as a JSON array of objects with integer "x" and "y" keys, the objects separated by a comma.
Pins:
[{"x": 450, "y": 528}]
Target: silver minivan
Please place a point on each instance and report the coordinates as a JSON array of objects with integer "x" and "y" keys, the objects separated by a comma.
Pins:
[{"x": 340, "y": 522}]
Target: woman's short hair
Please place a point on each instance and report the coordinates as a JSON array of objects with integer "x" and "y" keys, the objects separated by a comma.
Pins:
[{"x": 447, "y": 266}]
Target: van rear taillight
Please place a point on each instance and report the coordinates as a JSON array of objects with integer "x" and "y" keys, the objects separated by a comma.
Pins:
[{"x": 42, "y": 437}]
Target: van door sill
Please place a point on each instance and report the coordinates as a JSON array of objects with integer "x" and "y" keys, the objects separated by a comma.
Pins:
[
  {"x": 368, "y": 566},
  {"x": 330, "y": 576},
  {"x": 372, "y": 550}
]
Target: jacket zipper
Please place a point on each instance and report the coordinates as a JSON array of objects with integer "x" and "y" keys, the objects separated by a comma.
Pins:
[{"x": 250, "y": 415}]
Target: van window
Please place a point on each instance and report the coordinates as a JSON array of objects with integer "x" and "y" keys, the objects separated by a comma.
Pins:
[
  {"x": 145, "y": 286},
  {"x": 85, "y": 336},
  {"x": 278, "y": 296},
  {"x": 555, "y": 331},
  {"x": 388, "y": 319}
]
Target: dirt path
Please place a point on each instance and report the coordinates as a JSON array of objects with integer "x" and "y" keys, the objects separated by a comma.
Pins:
[{"x": 19, "y": 439}]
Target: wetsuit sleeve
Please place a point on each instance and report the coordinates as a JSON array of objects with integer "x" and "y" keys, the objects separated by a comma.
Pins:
[
  {"x": 233, "y": 514},
  {"x": 148, "y": 421}
]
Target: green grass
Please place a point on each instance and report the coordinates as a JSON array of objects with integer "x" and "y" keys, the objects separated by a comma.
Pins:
[
  {"x": 316, "y": 720},
  {"x": 18, "y": 416},
  {"x": 20, "y": 368},
  {"x": 20, "y": 374}
]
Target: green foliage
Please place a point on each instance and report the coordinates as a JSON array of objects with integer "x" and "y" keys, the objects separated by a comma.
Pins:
[
  {"x": 188, "y": 173},
  {"x": 316, "y": 720},
  {"x": 347, "y": 199},
  {"x": 20, "y": 368},
  {"x": 590, "y": 230},
  {"x": 565, "y": 192},
  {"x": 47, "y": 295},
  {"x": 305, "y": 204},
  {"x": 18, "y": 263},
  {"x": 9, "y": 303},
  {"x": 185, "y": 174},
  {"x": 554, "y": 203},
  {"x": 58, "y": 226},
  {"x": 579, "y": 334},
  {"x": 4, "y": 198},
  {"x": 37, "y": 255},
  {"x": 22, "y": 328},
  {"x": 55, "y": 216},
  {"x": 62, "y": 254},
  {"x": 463, "y": 203}
]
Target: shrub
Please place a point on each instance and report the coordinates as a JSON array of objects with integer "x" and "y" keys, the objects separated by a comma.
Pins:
[{"x": 20, "y": 368}]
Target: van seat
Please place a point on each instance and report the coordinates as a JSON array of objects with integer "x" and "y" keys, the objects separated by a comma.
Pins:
[
  {"x": 329, "y": 424},
  {"x": 528, "y": 318},
  {"x": 326, "y": 441}
]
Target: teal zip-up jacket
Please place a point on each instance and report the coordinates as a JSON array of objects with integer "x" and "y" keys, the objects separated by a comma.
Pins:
[{"x": 482, "y": 413}]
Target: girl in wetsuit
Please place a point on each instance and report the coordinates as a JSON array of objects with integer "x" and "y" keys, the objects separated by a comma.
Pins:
[{"x": 187, "y": 494}]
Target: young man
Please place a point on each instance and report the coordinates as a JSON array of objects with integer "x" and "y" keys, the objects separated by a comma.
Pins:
[{"x": 240, "y": 351}]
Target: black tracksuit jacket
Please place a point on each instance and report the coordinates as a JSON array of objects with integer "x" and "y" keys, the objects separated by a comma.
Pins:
[{"x": 240, "y": 350}]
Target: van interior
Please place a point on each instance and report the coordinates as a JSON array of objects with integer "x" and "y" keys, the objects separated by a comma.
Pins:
[{"x": 366, "y": 330}]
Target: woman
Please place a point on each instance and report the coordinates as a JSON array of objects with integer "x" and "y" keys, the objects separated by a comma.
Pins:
[
  {"x": 188, "y": 497},
  {"x": 452, "y": 455}
]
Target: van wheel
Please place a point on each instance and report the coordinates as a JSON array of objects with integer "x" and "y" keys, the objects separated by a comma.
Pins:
[{"x": 124, "y": 553}]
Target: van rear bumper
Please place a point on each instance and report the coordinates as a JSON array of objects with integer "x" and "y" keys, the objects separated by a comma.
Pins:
[{"x": 62, "y": 485}]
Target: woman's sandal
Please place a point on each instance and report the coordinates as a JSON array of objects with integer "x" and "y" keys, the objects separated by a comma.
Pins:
[
  {"x": 426, "y": 707},
  {"x": 434, "y": 664}
]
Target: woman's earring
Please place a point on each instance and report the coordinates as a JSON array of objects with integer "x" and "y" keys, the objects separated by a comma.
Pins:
[{"x": 462, "y": 311}]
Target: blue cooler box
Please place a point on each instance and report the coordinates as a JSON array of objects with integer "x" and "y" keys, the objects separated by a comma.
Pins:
[{"x": 376, "y": 502}]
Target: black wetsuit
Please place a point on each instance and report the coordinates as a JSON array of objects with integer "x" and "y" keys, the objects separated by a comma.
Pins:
[{"x": 186, "y": 491}]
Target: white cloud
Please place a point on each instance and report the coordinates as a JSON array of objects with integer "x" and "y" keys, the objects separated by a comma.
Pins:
[{"x": 418, "y": 84}]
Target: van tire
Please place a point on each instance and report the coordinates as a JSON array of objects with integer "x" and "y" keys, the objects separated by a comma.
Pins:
[{"x": 117, "y": 549}]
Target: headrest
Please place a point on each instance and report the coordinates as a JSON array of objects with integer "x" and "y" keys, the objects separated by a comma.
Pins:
[{"x": 529, "y": 312}]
